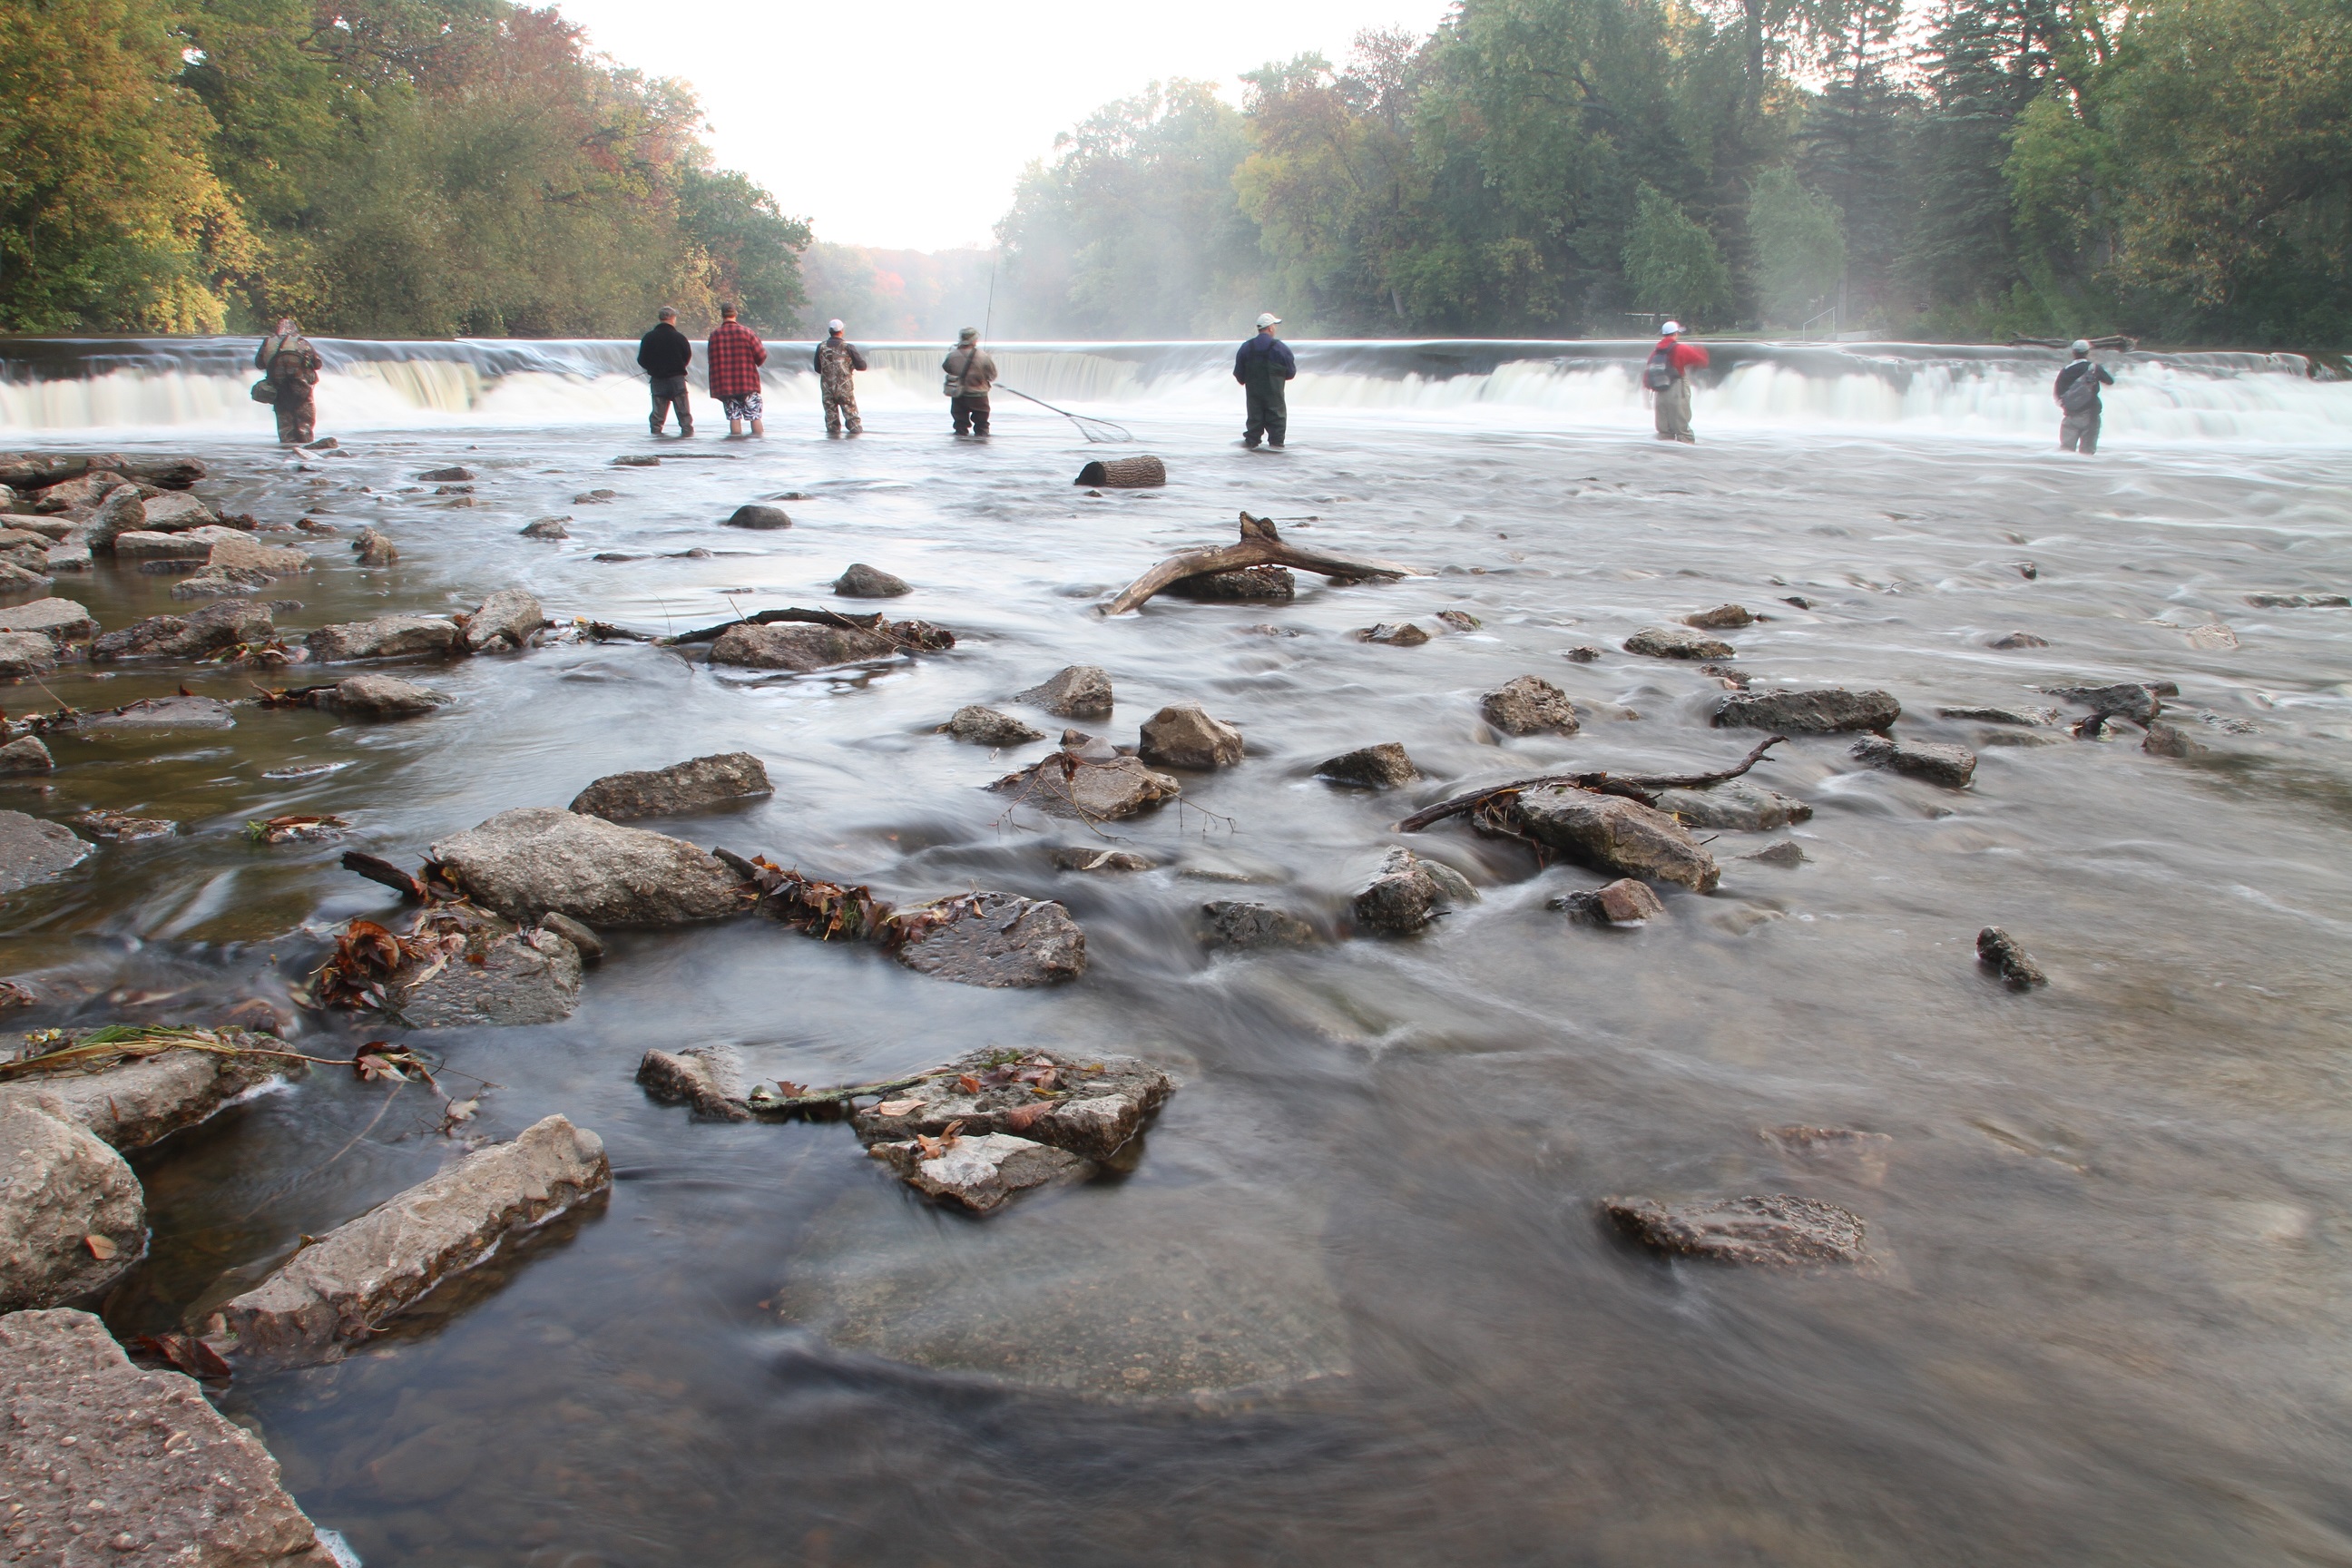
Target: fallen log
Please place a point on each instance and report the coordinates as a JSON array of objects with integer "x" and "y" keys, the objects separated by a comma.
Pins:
[
  {"x": 1641, "y": 787},
  {"x": 1124, "y": 473},
  {"x": 375, "y": 868},
  {"x": 1260, "y": 545},
  {"x": 770, "y": 617}
]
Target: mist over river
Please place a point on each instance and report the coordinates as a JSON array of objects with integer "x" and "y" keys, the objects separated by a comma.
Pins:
[{"x": 1352, "y": 1302}]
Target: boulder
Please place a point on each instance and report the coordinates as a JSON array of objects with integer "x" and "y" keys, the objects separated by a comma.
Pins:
[
  {"x": 130, "y": 1104},
  {"x": 66, "y": 558},
  {"x": 1402, "y": 634},
  {"x": 987, "y": 726},
  {"x": 175, "y": 512},
  {"x": 1937, "y": 763},
  {"x": 1384, "y": 766},
  {"x": 799, "y": 647},
  {"x": 1623, "y": 902},
  {"x": 1735, "y": 804},
  {"x": 998, "y": 940},
  {"x": 980, "y": 1172},
  {"x": 72, "y": 1217},
  {"x": 222, "y": 623},
  {"x": 1529, "y": 706},
  {"x": 864, "y": 582},
  {"x": 513, "y": 979},
  {"x": 525, "y": 862},
  {"x": 1610, "y": 833},
  {"x": 14, "y": 579},
  {"x": 2139, "y": 702},
  {"x": 25, "y": 653},
  {"x": 239, "y": 553},
  {"x": 1184, "y": 736},
  {"x": 164, "y": 713},
  {"x": 1777, "y": 1228},
  {"x": 709, "y": 1078},
  {"x": 343, "y": 1287},
  {"x": 1237, "y": 922},
  {"x": 142, "y": 545},
  {"x": 1092, "y": 1107},
  {"x": 26, "y": 754},
  {"x": 548, "y": 528},
  {"x": 1723, "y": 618},
  {"x": 384, "y": 696},
  {"x": 504, "y": 621},
  {"x": 2018, "y": 639},
  {"x": 756, "y": 516},
  {"x": 1065, "y": 784},
  {"x": 32, "y": 850},
  {"x": 1825, "y": 711},
  {"x": 1246, "y": 585},
  {"x": 2001, "y": 952},
  {"x": 456, "y": 475},
  {"x": 86, "y": 490},
  {"x": 1080, "y": 692},
  {"x": 1677, "y": 642},
  {"x": 108, "y": 1462},
  {"x": 372, "y": 547},
  {"x": 387, "y": 636},
  {"x": 674, "y": 791},
  {"x": 59, "y": 620},
  {"x": 120, "y": 513},
  {"x": 1407, "y": 893}
]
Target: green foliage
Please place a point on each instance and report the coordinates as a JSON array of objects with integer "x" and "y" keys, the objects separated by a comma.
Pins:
[
  {"x": 1672, "y": 264},
  {"x": 1799, "y": 241}
]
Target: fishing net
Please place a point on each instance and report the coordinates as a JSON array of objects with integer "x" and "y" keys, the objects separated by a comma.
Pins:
[{"x": 1096, "y": 430}]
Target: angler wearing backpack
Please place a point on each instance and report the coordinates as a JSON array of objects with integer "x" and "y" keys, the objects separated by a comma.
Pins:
[
  {"x": 2077, "y": 392},
  {"x": 1667, "y": 375}
]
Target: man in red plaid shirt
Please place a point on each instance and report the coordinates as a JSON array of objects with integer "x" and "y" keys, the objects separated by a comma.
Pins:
[{"x": 735, "y": 354}]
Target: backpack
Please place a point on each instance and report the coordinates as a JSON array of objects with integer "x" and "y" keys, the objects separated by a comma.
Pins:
[
  {"x": 2082, "y": 393},
  {"x": 1659, "y": 374}
]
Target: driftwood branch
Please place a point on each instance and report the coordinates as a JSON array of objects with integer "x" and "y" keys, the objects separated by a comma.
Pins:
[
  {"x": 1633, "y": 786},
  {"x": 375, "y": 868},
  {"x": 770, "y": 1104},
  {"x": 769, "y": 618},
  {"x": 1260, "y": 545}
]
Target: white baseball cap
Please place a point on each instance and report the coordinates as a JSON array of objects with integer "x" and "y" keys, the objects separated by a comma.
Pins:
[
  {"x": 1671, "y": 328},
  {"x": 833, "y": 325},
  {"x": 1268, "y": 319},
  {"x": 2082, "y": 349}
]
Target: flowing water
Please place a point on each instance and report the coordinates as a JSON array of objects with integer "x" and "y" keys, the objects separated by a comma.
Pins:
[{"x": 1351, "y": 1302}]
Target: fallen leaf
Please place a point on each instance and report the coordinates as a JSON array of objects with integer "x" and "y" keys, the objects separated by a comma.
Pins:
[
  {"x": 100, "y": 1248},
  {"x": 184, "y": 1352},
  {"x": 967, "y": 1083},
  {"x": 1021, "y": 1118},
  {"x": 898, "y": 1108}
]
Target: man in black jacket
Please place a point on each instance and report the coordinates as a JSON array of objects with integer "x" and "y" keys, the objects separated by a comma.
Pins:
[
  {"x": 2077, "y": 392},
  {"x": 663, "y": 354}
]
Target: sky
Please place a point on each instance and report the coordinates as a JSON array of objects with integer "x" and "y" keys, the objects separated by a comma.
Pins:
[{"x": 903, "y": 123}]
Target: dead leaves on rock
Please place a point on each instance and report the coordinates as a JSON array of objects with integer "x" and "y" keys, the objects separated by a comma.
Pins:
[
  {"x": 289, "y": 829},
  {"x": 180, "y": 1353},
  {"x": 380, "y": 1061}
]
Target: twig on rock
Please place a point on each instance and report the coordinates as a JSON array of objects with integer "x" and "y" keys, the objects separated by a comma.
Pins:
[
  {"x": 1261, "y": 545},
  {"x": 1633, "y": 786}
]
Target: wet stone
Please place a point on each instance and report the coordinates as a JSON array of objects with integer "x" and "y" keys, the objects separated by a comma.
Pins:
[
  {"x": 1529, "y": 706},
  {"x": 799, "y": 647},
  {"x": 980, "y": 1172},
  {"x": 1788, "y": 852},
  {"x": 759, "y": 517},
  {"x": 25, "y": 653},
  {"x": 384, "y": 696},
  {"x": 2016, "y": 640},
  {"x": 1775, "y": 1229},
  {"x": 1184, "y": 736},
  {"x": 1677, "y": 642},
  {"x": 2164, "y": 739},
  {"x": 456, "y": 475},
  {"x": 596, "y": 498},
  {"x": 1239, "y": 924},
  {"x": 2000, "y": 952},
  {"x": 221, "y": 585},
  {"x": 1401, "y": 634},
  {"x": 864, "y": 582},
  {"x": 32, "y": 850},
  {"x": 116, "y": 827},
  {"x": 516, "y": 978},
  {"x": 1584, "y": 654},
  {"x": 1066, "y": 785},
  {"x": 1735, "y": 804},
  {"x": 1407, "y": 893},
  {"x": 708, "y": 1078},
  {"x": 1248, "y": 585},
  {"x": 721, "y": 779},
  {"x": 1843, "y": 1151},
  {"x": 1080, "y": 692},
  {"x": 1949, "y": 765},
  {"x": 2298, "y": 601},
  {"x": 145, "y": 544},
  {"x": 72, "y": 1217},
  {"x": 2139, "y": 702},
  {"x": 987, "y": 726},
  {"x": 59, "y": 620},
  {"x": 1825, "y": 711},
  {"x": 387, "y": 636},
  {"x": 1610, "y": 833},
  {"x": 26, "y": 755},
  {"x": 2027, "y": 718},
  {"x": 1623, "y": 902},
  {"x": 1095, "y": 857},
  {"x": 130, "y": 1104},
  {"x": 164, "y": 713},
  {"x": 1384, "y": 766},
  {"x": 221, "y": 624},
  {"x": 1001, "y": 939},
  {"x": 1092, "y": 1107},
  {"x": 504, "y": 621},
  {"x": 547, "y": 527},
  {"x": 526, "y": 862},
  {"x": 1723, "y": 618}
]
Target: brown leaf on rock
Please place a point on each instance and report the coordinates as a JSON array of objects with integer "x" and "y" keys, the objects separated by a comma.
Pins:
[
  {"x": 182, "y": 1352},
  {"x": 100, "y": 1248},
  {"x": 1021, "y": 1118}
]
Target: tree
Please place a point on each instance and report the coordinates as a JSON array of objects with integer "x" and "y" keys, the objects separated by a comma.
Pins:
[
  {"x": 1799, "y": 242},
  {"x": 1671, "y": 263},
  {"x": 754, "y": 250},
  {"x": 1984, "y": 63}
]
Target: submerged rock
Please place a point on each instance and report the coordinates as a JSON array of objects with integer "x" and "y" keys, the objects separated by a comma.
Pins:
[
  {"x": 108, "y": 1462},
  {"x": 1945, "y": 764},
  {"x": 456, "y": 475},
  {"x": 2164, "y": 739},
  {"x": 1401, "y": 634},
  {"x": 2139, "y": 702},
  {"x": 1777, "y": 1228},
  {"x": 526, "y": 862},
  {"x": 864, "y": 582},
  {"x": 799, "y": 647},
  {"x": 709, "y": 1078},
  {"x": 164, "y": 713},
  {"x": 1408, "y": 892},
  {"x": 341, "y": 1288},
  {"x": 998, "y": 940},
  {"x": 1623, "y": 902},
  {"x": 987, "y": 726},
  {"x": 72, "y": 1217},
  {"x": 2025, "y": 718},
  {"x": 1065, "y": 784},
  {"x": 1735, "y": 804},
  {"x": 759, "y": 517},
  {"x": 980, "y": 1172},
  {"x": 384, "y": 696},
  {"x": 32, "y": 850},
  {"x": 220, "y": 584},
  {"x": 387, "y": 636},
  {"x": 1999, "y": 952},
  {"x": 1080, "y": 692},
  {"x": 699, "y": 785},
  {"x": 1677, "y": 642},
  {"x": 1091, "y": 1107},
  {"x": 1184, "y": 736},
  {"x": 1610, "y": 833},
  {"x": 548, "y": 528},
  {"x": 1788, "y": 852},
  {"x": 370, "y": 547},
  {"x": 1094, "y": 857},
  {"x": 1529, "y": 706},
  {"x": 2016, "y": 640},
  {"x": 1247, "y": 585},
  {"x": 1825, "y": 711},
  {"x": 1384, "y": 766},
  {"x": 1239, "y": 924}
]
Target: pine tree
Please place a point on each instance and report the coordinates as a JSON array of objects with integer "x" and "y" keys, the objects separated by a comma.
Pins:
[{"x": 1984, "y": 65}]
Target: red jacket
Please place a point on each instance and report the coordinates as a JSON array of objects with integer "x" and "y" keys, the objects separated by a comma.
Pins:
[
  {"x": 1683, "y": 359},
  {"x": 736, "y": 355}
]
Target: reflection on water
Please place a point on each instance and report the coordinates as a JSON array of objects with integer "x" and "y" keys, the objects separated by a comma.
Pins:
[{"x": 1351, "y": 1304}]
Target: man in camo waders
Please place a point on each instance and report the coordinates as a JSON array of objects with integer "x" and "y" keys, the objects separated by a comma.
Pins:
[
  {"x": 291, "y": 366},
  {"x": 837, "y": 360}
]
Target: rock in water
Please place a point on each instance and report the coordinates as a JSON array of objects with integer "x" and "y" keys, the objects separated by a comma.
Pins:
[
  {"x": 32, "y": 850},
  {"x": 27, "y": 755},
  {"x": 2164, "y": 739},
  {"x": 143, "y": 544},
  {"x": 1384, "y": 766},
  {"x": 1081, "y": 691},
  {"x": 506, "y": 620},
  {"x": 674, "y": 791},
  {"x": 25, "y": 653},
  {"x": 1399, "y": 634},
  {"x": 1407, "y": 893},
  {"x": 2019, "y": 639},
  {"x": 708, "y": 1077},
  {"x": 1090, "y": 1107},
  {"x": 980, "y": 1172},
  {"x": 1999, "y": 952},
  {"x": 384, "y": 696},
  {"x": 1246, "y": 585},
  {"x": 864, "y": 582},
  {"x": 1735, "y": 804},
  {"x": 341, "y": 1288},
  {"x": 108, "y": 1462},
  {"x": 998, "y": 940},
  {"x": 1943, "y": 764},
  {"x": 1723, "y": 618},
  {"x": 1528, "y": 706},
  {"x": 548, "y": 528},
  {"x": 222, "y": 623},
  {"x": 1788, "y": 852},
  {"x": 1677, "y": 642},
  {"x": 59, "y": 620},
  {"x": 2139, "y": 703},
  {"x": 72, "y": 1217},
  {"x": 1623, "y": 902},
  {"x": 1184, "y": 736},
  {"x": 514, "y": 979},
  {"x": 525, "y": 862},
  {"x": 799, "y": 647},
  {"x": 1236, "y": 923},
  {"x": 372, "y": 548},
  {"x": 164, "y": 713},
  {"x": 1066, "y": 785},
  {"x": 1821, "y": 712},
  {"x": 987, "y": 726},
  {"x": 756, "y": 516},
  {"x": 1610, "y": 833},
  {"x": 387, "y": 636},
  {"x": 1777, "y": 1228},
  {"x": 450, "y": 476},
  {"x": 130, "y": 1104}
]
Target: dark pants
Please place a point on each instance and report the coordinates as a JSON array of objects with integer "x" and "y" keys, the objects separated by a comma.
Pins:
[
  {"x": 669, "y": 392},
  {"x": 297, "y": 417},
  {"x": 971, "y": 414},
  {"x": 1269, "y": 412}
]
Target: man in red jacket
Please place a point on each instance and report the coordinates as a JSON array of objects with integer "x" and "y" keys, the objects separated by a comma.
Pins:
[
  {"x": 1667, "y": 375},
  {"x": 736, "y": 355}
]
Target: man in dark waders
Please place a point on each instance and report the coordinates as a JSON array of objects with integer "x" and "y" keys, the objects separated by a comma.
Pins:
[
  {"x": 662, "y": 354},
  {"x": 1262, "y": 366},
  {"x": 291, "y": 366},
  {"x": 2077, "y": 392}
]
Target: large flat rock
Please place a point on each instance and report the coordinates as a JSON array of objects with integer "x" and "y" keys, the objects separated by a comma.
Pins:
[
  {"x": 799, "y": 647},
  {"x": 693, "y": 785},
  {"x": 1000, "y": 940},
  {"x": 526, "y": 862},
  {"x": 387, "y": 636},
  {"x": 60, "y": 620},
  {"x": 32, "y": 850},
  {"x": 130, "y": 1104},
  {"x": 1610, "y": 833},
  {"x": 105, "y": 1463}
]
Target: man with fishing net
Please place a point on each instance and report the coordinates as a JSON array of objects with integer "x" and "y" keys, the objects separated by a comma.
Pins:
[{"x": 970, "y": 371}]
